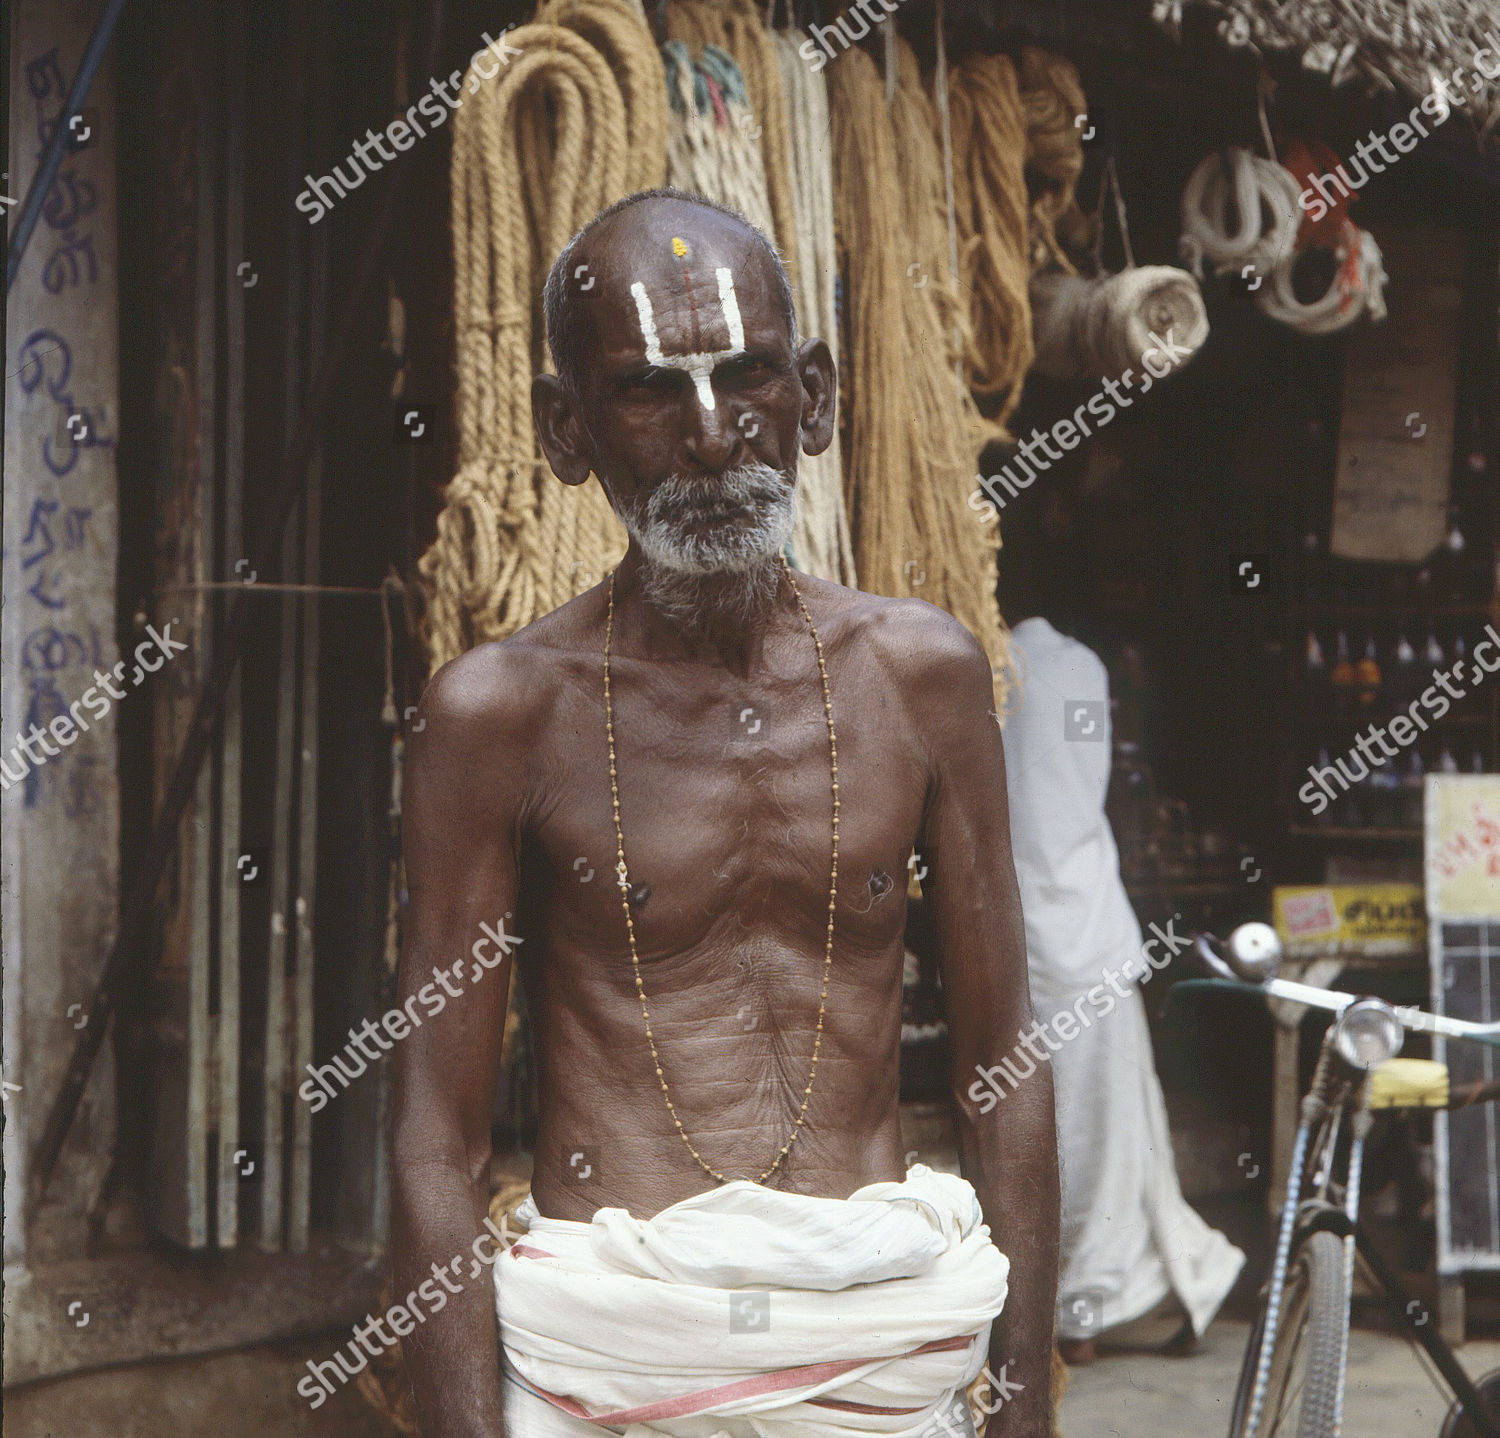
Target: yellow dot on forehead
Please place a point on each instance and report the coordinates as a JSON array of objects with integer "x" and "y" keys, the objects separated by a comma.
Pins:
[{"x": 679, "y": 247}]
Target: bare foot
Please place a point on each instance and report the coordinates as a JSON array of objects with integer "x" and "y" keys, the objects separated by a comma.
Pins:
[{"x": 1077, "y": 1352}]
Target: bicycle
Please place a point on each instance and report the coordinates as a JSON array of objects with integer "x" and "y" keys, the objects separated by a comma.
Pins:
[{"x": 1291, "y": 1382}]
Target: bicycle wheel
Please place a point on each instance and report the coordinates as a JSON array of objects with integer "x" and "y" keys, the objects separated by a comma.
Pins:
[
  {"x": 1457, "y": 1426},
  {"x": 1302, "y": 1395}
]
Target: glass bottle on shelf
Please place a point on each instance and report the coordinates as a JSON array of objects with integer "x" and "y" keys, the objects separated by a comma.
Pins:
[
  {"x": 1367, "y": 677},
  {"x": 1385, "y": 806},
  {"x": 1448, "y": 562},
  {"x": 1411, "y": 784},
  {"x": 1433, "y": 654},
  {"x": 1314, "y": 670},
  {"x": 1332, "y": 812},
  {"x": 1403, "y": 678},
  {"x": 1446, "y": 763},
  {"x": 1341, "y": 676}
]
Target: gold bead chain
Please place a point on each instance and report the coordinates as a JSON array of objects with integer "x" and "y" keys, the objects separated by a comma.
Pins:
[{"x": 623, "y": 876}]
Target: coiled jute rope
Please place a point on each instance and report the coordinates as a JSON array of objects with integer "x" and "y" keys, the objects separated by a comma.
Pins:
[
  {"x": 577, "y": 120},
  {"x": 912, "y": 433},
  {"x": 993, "y": 217}
]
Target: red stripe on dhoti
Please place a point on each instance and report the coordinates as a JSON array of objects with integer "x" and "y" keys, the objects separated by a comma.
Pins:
[{"x": 688, "y": 1404}]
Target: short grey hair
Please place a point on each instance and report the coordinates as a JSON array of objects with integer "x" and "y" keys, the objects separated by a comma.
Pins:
[{"x": 565, "y": 337}]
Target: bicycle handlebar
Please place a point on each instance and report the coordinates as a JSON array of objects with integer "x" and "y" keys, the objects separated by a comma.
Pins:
[{"x": 1253, "y": 952}]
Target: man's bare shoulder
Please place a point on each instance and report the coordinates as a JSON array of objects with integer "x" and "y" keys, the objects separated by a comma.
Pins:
[
  {"x": 508, "y": 690},
  {"x": 917, "y": 643}
]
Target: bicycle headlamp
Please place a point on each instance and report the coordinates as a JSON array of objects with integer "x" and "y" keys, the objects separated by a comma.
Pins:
[{"x": 1368, "y": 1033}]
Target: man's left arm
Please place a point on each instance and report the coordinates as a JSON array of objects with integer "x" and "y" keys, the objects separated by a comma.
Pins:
[{"x": 1007, "y": 1148}]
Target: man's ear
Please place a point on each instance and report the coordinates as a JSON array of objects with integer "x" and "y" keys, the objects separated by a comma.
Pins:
[
  {"x": 559, "y": 426},
  {"x": 820, "y": 384}
]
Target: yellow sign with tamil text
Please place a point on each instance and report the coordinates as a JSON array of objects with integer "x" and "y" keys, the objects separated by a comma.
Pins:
[{"x": 1363, "y": 920}]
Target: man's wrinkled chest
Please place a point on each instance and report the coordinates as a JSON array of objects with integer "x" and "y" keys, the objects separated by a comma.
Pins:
[{"x": 726, "y": 809}]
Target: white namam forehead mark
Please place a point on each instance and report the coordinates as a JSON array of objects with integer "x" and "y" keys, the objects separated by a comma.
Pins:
[{"x": 699, "y": 365}]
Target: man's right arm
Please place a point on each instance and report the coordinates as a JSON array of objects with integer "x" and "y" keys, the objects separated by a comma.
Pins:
[{"x": 463, "y": 797}]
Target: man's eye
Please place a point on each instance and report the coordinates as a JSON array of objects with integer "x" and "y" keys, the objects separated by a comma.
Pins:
[
  {"x": 655, "y": 379},
  {"x": 746, "y": 367}
]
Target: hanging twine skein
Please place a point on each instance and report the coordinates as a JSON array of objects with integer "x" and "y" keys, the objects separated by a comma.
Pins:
[
  {"x": 572, "y": 124},
  {"x": 794, "y": 165},
  {"x": 911, "y": 430},
  {"x": 993, "y": 215},
  {"x": 1055, "y": 107},
  {"x": 821, "y": 541}
]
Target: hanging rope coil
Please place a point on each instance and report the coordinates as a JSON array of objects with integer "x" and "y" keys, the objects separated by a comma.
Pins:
[
  {"x": 737, "y": 27},
  {"x": 713, "y": 145},
  {"x": 1239, "y": 214},
  {"x": 584, "y": 103},
  {"x": 1357, "y": 287},
  {"x": 912, "y": 433},
  {"x": 821, "y": 541},
  {"x": 1055, "y": 109},
  {"x": 791, "y": 168},
  {"x": 1242, "y": 215},
  {"x": 993, "y": 215}
]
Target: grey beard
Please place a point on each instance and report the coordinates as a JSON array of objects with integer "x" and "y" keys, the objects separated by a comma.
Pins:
[{"x": 728, "y": 576}]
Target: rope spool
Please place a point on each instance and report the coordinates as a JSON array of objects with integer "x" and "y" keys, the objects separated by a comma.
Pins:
[
  {"x": 1099, "y": 328},
  {"x": 585, "y": 104}
]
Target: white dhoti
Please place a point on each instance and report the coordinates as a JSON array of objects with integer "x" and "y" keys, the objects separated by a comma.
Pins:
[
  {"x": 752, "y": 1313},
  {"x": 1129, "y": 1238}
]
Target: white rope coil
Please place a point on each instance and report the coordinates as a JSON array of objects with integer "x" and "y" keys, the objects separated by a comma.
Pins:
[
  {"x": 1244, "y": 220},
  {"x": 1357, "y": 288}
]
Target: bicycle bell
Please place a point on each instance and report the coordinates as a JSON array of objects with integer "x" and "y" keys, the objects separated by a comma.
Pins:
[{"x": 1254, "y": 952}]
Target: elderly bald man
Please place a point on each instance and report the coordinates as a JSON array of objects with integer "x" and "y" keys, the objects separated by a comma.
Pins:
[{"x": 724, "y": 1238}]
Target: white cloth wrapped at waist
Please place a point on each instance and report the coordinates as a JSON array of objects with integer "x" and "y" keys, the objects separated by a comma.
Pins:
[{"x": 745, "y": 1310}]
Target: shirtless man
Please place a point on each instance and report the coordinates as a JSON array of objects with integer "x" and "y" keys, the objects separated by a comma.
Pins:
[{"x": 683, "y": 388}]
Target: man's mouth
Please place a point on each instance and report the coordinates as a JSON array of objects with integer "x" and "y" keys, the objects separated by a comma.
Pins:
[{"x": 720, "y": 515}]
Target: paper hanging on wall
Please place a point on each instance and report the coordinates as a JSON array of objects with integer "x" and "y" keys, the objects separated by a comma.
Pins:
[{"x": 1395, "y": 450}]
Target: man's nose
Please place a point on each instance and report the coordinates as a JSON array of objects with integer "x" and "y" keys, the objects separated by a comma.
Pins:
[{"x": 713, "y": 437}]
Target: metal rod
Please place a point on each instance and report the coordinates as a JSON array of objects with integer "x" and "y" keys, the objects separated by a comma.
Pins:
[
  {"x": 1402, "y": 1303},
  {"x": 41, "y": 182},
  {"x": 264, "y": 553},
  {"x": 231, "y": 586}
]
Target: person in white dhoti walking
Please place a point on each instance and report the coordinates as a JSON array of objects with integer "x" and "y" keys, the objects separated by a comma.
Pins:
[{"x": 1130, "y": 1241}]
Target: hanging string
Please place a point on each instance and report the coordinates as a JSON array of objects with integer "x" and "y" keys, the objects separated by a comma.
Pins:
[
  {"x": 1263, "y": 84},
  {"x": 1114, "y": 184},
  {"x": 892, "y": 64},
  {"x": 945, "y": 120}
]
